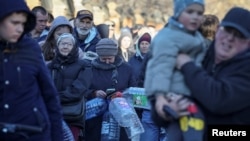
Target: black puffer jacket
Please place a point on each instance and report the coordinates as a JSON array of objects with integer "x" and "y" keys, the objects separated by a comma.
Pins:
[{"x": 72, "y": 79}]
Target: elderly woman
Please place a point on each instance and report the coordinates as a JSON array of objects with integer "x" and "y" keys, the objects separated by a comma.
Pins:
[
  {"x": 59, "y": 26},
  {"x": 109, "y": 71},
  {"x": 71, "y": 77}
]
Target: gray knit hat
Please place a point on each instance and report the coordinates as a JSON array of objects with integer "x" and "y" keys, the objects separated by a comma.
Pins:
[
  {"x": 106, "y": 47},
  {"x": 180, "y": 5}
]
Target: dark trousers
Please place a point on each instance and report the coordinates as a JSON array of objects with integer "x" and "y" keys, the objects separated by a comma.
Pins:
[{"x": 93, "y": 130}]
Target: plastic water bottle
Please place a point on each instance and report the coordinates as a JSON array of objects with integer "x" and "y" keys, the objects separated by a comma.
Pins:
[
  {"x": 95, "y": 107},
  {"x": 126, "y": 116},
  {"x": 110, "y": 128},
  {"x": 67, "y": 134}
]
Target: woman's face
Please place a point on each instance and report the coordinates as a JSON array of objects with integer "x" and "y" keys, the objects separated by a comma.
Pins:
[
  {"x": 12, "y": 27},
  {"x": 107, "y": 59},
  {"x": 60, "y": 30},
  {"x": 65, "y": 46},
  {"x": 144, "y": 46},
  {"x": 125, "y": 42}
]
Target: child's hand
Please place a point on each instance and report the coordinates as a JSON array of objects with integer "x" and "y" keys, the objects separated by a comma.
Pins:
[
  {"x": 176, "y": 102},
  {"x": 181, "y": 60}
]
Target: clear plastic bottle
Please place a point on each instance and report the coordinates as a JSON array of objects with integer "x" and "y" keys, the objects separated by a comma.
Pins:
[
  {"x": 110, "y": 128},
  {"x": 95, "y": 107},
  {"x": 67, "y": 134},
  {"x": 126, "y": 116}
]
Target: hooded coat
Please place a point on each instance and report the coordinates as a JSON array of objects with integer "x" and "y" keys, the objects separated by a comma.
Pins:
[
  {"x": 27, "y": 93},
  {"x": 49, "y": 46},
  {"x": 136, "y": 60}
]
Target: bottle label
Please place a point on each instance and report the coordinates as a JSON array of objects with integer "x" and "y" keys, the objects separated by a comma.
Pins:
[
  {"x": 139, "y": 98},
  {"x": 105, "y": 127}
]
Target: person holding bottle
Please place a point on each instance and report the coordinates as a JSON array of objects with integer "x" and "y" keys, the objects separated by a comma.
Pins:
[{"x": 109, "y": 72}]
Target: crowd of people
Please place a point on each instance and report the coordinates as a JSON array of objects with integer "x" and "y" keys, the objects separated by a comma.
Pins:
[{"x": 48, "y": 63}]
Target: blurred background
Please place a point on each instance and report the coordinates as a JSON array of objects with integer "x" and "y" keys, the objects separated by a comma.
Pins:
[{"x": 130, "y": 12}]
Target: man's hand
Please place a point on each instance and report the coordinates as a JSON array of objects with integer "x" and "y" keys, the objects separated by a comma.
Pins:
[
  {"x": 100, "y": 93},
  {"x": 175, "y": 102},
  {"x": 182, "y": 59}
]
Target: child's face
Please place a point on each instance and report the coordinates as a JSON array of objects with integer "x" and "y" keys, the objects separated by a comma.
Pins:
[
  {"x": 12, "y": 27},
  {"x": 192, "y": 17}
]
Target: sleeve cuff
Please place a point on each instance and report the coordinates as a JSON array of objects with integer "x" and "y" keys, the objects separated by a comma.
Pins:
[{"x": 187, "y": 67}]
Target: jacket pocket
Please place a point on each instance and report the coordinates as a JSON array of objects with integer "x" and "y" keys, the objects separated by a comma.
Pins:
[{"x": 40, "y": 118}]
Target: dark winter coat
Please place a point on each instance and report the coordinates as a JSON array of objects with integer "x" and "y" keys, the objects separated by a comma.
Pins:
[
  {"x": 27, "y": 93},
  {"x": 102, "y": 74},
  {"x": 223, "y": 89},
  {"x": 119, "y": 76},
  {"x": 136, "y": 63},
  {"x": 72, "y": 79},
  {"x": 89, "y": 44}
]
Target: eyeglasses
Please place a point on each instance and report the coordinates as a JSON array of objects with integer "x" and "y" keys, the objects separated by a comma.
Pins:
[
  {"x": 230, "y": 30},
  {"x": 112, "y": 25},
  {"x": 65, "y": 43}
]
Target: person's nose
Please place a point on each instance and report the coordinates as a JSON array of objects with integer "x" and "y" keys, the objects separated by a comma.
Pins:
[
  {"x": 107, "y": 61},
  {"x": 84, "y": 25},
  {"x": 230, "y": 36},
  {"x": 195, "y": 16},
  {"x": 20, "y": 29},
  {"x": 44, "y": 23}
]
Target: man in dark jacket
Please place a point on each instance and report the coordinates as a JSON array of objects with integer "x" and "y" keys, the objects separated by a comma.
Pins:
[
  {"x": 86, "y": 33},
  {"x": 27, "y": 94},
  {"x": 222, "y": 86}
]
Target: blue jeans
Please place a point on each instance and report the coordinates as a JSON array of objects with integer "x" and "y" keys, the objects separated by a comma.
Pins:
[{"x": 152, "y": 132}]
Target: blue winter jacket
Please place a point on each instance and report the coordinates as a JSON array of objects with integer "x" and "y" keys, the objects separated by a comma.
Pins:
[
  {"x": 27, "y": 93},
  {"x": 89, "y": 44}
]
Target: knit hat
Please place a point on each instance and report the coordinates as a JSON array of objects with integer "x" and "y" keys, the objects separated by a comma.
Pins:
[
  {"x": 106, "y": 47},
  {"x": 181, "y": 5},
  {"x": 239, "y": 19},
  {"x": 145, "y": 37}
]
